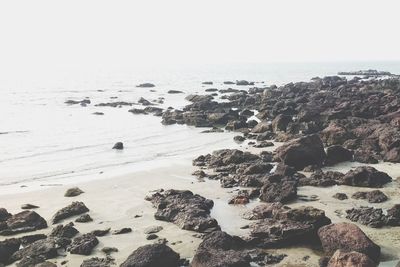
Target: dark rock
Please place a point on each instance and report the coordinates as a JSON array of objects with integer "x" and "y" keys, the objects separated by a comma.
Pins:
[
  {"x": 343, "y": 259},
  {"x": 220, "y": 249},
  {"x": 152, "y": 256},
  {"x": 375, "y": 196},
  {"x": 75, "y": 208},
  {"x": 187, "y": 210},
  {"x": 25, "y": 221},
  {"x": 118, "y": 146},
  {"x": 239, "y": 138},
  {"x": 84, "y": 218},
  {"x": 281, "y": 122},
  {"x": 73, "y": 192},
  {"x": 347, "y": 237},
  {"x": 367, "y": 215},
  {"x": 322, "y": 179},
  {"x": 336, "y": 154},
  {"x": 4, "y": 214},
  {"x": 101, "y": 232},
  {"x": 244, "y": 82},
  {"x": 67, "y": 231},
  {"x": 302, "y": 152},
  {"x": 278, "y": 189},
  {"x": 393, "y": 216},
  {"x": 151, "y": 236},
  {"x": 44, "y": 248},
  {"x": 146, "y": 85},
  {"x": 98, "y": 262},
  {"x": 29, "y": 239},
  {"x": 153, "y": 229},
  {"x": 29, "y": 207},
  {"x": 144, "y": 102},
  {"x": 175, "y": 92},
  {"x": 340, "y": 196},
  {"x": 137, "y": 111},
  {"x": 98, "y": 113},
  {"x": 7, "y": 248},
  {"x": 109, "y": 250},
  {"x": 366, "y": 176},
  {"x": 84, "y": 244},
  {"x": 122, "y": 231}
]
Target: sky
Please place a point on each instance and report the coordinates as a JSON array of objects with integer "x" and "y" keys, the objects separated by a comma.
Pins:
[{"x": 149, "y": 32}]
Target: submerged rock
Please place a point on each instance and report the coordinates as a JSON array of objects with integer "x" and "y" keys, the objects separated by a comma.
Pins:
[{"x": 187, "y": 210}]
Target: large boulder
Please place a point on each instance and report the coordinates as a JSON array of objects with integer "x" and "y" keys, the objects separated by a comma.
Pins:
[
  {"x": 366, "y": 176},
  {"x": 336, "y": 154},
  {"x": 187, "y": 210},
  {"x": 347, "y": 237},
  {"x": 154, "y": 255},
  {"x": 24, "y": 221},
  {"x": 43, "y": 248},
  {"x": 350, "y": 259},
  {"x": 302, "y": 152},
  {"x": 7, "y": 248},
  {"x": 220, "y": 249}
]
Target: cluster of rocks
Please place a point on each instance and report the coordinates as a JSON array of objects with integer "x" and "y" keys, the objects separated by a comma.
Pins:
[{"x": 375, "y": 217}]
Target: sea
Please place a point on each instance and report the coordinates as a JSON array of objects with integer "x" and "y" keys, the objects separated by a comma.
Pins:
[{"x": 44, "y": 141}]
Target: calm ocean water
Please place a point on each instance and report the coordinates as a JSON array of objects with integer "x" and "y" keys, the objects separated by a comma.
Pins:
[{"x": 45, "y": 141}]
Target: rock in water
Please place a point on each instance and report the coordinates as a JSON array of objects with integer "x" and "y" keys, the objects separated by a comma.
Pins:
[
  {"x": 187, "y": 210},
  {"x": 145, "y": 85},
  {"x": 76, "y": 208},
  {"x": 73, "y": 192},
  {"x": 24, "y": 221},
  {"x": 348, "y": 259},
  {"x": 155, "y": 255},
  {"x": 302, "y": 152},
  {"x": 347, "y": 237},
  {"x": 83, "y": 244},
  {"x": 118, "y": 146}
]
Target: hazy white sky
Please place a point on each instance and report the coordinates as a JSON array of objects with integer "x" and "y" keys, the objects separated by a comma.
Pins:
[{"x": 87, "y": 33}]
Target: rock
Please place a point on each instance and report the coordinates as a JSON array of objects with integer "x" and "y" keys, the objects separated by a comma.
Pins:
[
  {"x": 67, "y": 231},
  {"x": 340, "y": 196},
  {"x": 239, "y": 139},
  {"x": 4, "y": 214},
  {"x": 29, "y": 207},
  {"x": 44, "y": 248},
  {"x": 323, "y": 179},
  {"x": 375, "y": 196},
  {"x": 73, "y": 192},
  {"x": 118, "y": 146},
  {"x": 335, "y": 134},
  {"x": 393, "y": 216},
  {"x": 262, "y": 127},
  {"x": 109, "y": 250},
  {"x": 302, "y": 152},
  {"x": 137, "y": 111},
  {"x": 7, "y": 248},
  {"x": 229, "y": 82},
  {"x": 244, "y": 82},
  {"x": 283, "y": 226},
  {"x": 152, "y": 256},
  {"x": 353, "y": 258},
  {"x": 278, "y": 189},
  {"x": 25, "y": 221},
  {"x": 153, "y": 229},
  {"x": 122, "y": 231},
  {"x": 29, "y": 239},
  {"x": 220, "y": 249},
  {"x": 151, "y": 236},
  {"x": 101, "y": 232},
  {"x": 98, "y": 113},
  {"x": 146, "y": 85},
  {"x": 144, "y": 102},
  {"x": 366, "y": 176},
  {"x": 75, "y": 208},
  {"x": 336, "y": 154},
  {"x": 280, "y": 123},
  {"x": 84, "y": 218},
  {"x": 185, "y": 209},
  {"x": 84, "y": 244},
  {"x": 368, "y": 216},
  {"x": 98, "y": 262},
  {"x": 175, "y": 92},
  {"x": 347, "y": 237}
]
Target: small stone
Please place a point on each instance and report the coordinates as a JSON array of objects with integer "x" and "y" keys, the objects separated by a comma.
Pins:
[
  {"x": 109, "y": 250},
  {"x": 73, "y": 192},
  {"x": 151, "y": 236}
]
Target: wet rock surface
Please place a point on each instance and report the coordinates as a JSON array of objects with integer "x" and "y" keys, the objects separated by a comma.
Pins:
[{"x": 189, "y": 211}]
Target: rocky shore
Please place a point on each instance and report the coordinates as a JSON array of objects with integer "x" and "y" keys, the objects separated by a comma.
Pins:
[{"x": 309, "y": 176}]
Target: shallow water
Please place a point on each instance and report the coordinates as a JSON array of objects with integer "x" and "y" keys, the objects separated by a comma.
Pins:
[{"x": 44, "y": 140}]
